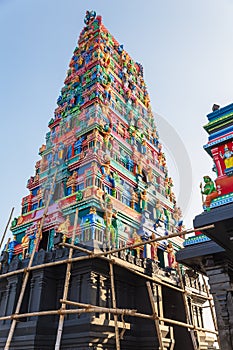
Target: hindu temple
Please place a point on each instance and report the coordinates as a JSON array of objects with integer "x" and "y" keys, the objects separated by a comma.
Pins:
[{"x": 91, "y": 264}]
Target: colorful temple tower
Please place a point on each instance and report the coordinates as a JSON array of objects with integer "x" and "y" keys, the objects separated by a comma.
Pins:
[
  {"x": 211, "y": 250},
  {"x": 103, "y": 161},
  {"x": 104, "y": 147}
]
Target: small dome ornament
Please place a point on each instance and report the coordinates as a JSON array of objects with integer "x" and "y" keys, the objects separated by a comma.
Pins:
[{"x": 89, "y": 18}]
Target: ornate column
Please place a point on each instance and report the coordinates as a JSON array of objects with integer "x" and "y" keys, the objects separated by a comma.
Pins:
[{"x": 215, "y": 154}]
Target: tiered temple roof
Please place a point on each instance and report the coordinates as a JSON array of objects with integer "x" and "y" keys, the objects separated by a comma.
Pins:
[{"x": 104, "y": 147}]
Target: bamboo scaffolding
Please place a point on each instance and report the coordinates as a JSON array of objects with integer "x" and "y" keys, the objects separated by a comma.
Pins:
[
  {"x": 211, "y": 309},
  {"x": 114, "y": 304},
  {"x": 87, "y": 308},
  {"x": 155, "y": 315},
  {"x": 102, "y": 255},
  {"x": 187, "y": 314},
  {"x": 6, "y": 228},
  {"x": 66, "y": 286},
  {"x": 92, "y": 256},
  {"x": 136, "y": 314},
  {"x": 26, "y": 273}
]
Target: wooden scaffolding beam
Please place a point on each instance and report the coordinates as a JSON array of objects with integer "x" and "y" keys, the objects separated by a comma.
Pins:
[
  {"x": 187, "y": 313},
  {"x": 211, "y": 308},
  {"x": 66, "y": 285},
  {"x": 114, "y": 305},
  {"x": 6, "y": 228},
  {"x": 87, "y": 308},
  {"x": 155, "y": 315}
]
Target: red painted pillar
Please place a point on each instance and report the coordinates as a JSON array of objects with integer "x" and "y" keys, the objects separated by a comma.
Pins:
[{"x": 216, "y": 157}]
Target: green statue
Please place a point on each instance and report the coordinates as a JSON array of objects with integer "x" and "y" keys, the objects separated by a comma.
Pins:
[{"x": 209, "y": 190}]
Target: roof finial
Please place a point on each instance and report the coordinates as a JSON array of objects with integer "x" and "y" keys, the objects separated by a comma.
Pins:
[
  {"x": 215, "y": 107},
  {"x": 90, "y": 16}
]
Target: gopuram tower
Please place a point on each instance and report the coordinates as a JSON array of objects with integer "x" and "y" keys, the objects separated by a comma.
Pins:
[
  {"x": 103, "y": 145},
  {"x": 101, "y": 184}
]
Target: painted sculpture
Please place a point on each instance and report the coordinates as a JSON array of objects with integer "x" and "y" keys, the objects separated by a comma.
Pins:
[
  {"x": 209, "y": 190},
  {"x": 171, "y": 256}
]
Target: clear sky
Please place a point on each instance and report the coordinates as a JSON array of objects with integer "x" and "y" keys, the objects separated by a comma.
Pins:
[{"x": 185, "y": 47}]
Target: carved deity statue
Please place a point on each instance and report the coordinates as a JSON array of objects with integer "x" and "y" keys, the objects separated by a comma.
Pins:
[
  {"x": 227, "y": 156},
  {"x": 171, "y": 256},
  {"x": 209, "y": 190},
  {"x": 154, "y": 248},
  {"x": 64, "y": 228},
  {"x": 137, "y": 239}
]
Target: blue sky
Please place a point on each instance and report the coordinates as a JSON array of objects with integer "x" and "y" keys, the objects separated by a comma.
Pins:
[{"x": 184, "y": 46}]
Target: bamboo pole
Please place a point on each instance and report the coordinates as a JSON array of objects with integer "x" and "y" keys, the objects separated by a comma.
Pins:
[
  {"x": 88, "y": 306},
  {"x": 66, "y": 286},
  {"x": 187, "y": 314},
  {"x": 81, "y": 249},
  {"x": 114, "y": 305},
  {"x": 136, "y": 314},
  {"x": 6, "y": 228},
  {"x": 211, "y": 309},
  {"x": 26, "y": 274},
  {"x": 156, "y": 319},
  {"x": 93, "y": 309}
]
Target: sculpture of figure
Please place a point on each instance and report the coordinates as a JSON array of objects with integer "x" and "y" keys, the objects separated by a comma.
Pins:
[
  {"x": 25, "y": 245},
  {"x": 168, "y": 185},
  {"x": 134, "y": 200},
  {"x": 209, "y": 190},
  {"x": 32, "y": 237},
  {"x": 106, "y": 131},
  {"x": 166, "y": 220},
  {"x": 131, "y": 116},
  {"x": 80, "y": 60},
  {"x": 155, "y": 137},
  {"x": 71, "y": 182},
  {"x": 137, "y": 239},
  {"x": 109, "y": 215},
  {"x": 154, "y": 248},
  {"x": 143, "y": 200},
  {"x": 64, "y": 228},
  {"x": 105, "y": 166},
  {"x": 11, "y": 246},
  {"x": 162, "y": 159},
  {"x": 143, "y": 147},
  {"x": 139, "y": 123},
  {"x": 133, "y": 134},
  {"x": 99, "y": 193},
  {"x": 177, "y": 215},
  {"x": 158, "y": 213},
  {"x": 92, "y": 210},
  {"x": 227, "y": 156},
  {"x": 150, "y": 175},
  {"x": 171, "y": 256},
  {"x": 60, "y": 154},
  {"x": 139, "y": 167},
  {"x": 78, "y": 145}
]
